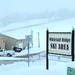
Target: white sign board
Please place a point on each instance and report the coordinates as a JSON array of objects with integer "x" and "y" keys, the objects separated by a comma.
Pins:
[
  {"x": 28, "y": 38},
  {"x": 60, "y": 43}
]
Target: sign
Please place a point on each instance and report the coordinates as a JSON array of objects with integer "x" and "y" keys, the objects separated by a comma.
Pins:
[
  {"x": 60, "y": 43},
  {"x": 28, "y": 38}
]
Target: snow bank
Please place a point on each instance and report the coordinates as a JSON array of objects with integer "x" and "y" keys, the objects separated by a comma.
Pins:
[
  {"x": 71, "y": 64},
  {"x": 21, "y": 68},
  {"x": 31, "y": 51}
]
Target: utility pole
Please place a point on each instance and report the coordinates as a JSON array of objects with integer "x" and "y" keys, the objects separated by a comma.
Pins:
[{"x": 38, "y": 39}]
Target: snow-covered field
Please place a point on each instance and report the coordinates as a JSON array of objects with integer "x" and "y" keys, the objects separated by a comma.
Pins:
[
  {"x": 38, "y": 67},
  {"x": 57, "y": 66},
  {"x": 35, "y": 68}
]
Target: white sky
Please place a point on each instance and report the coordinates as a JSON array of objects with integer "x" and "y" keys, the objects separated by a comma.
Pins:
[{"x": 11, "y": 6}]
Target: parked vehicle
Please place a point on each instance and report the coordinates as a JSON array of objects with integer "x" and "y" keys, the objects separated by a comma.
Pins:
[
  {"x": 8, "y": 53},
  {"x": 16, "y": 49}
]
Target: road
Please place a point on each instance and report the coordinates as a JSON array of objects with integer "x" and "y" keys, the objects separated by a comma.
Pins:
[{"x": 21, "y": 60}]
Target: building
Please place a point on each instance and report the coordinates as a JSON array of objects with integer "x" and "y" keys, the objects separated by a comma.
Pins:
[
  {"x": 8, "y": 42},
  {"x": 21, "y": 43},
  {"x": 2, "y": 43}
]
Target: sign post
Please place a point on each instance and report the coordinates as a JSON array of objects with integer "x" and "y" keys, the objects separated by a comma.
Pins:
[
  {"x": 47, "y": 64},
  {"x": 72, "y": 45},
  {"x": 28, "y": 42}
]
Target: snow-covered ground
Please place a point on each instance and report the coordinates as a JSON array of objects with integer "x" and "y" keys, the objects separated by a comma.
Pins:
[
  {"x": 57, "y": 66},
  {"x": 35, "y": 68}
]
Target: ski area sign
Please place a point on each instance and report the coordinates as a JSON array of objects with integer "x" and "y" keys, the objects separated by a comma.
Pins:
[{"x": 60, "y": 42}]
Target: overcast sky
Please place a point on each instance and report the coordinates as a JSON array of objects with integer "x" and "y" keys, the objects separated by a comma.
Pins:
[{"x": 11, "y": 6}]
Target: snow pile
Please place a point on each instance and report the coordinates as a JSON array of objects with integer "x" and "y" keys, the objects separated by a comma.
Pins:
[
  {"x": 10, "y": 58},
  {"x": 31, "y": 51},
  {"x": 35, "y": 68},
  {"x": 71, "y": 64}
]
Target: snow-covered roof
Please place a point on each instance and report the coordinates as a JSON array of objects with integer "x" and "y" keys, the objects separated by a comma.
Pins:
[
  {"x": 19, "y": 30},
  {"x": 62, "y": 26},
  {"x": 21, "y": 25}
]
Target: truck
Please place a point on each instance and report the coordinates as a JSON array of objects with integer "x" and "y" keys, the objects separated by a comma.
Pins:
[
  {"x": 16, "y": 49},
  {"x": 8, "y": 53}
]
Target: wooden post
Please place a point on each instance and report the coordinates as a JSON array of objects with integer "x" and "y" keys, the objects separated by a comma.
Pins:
[
  {"x": 47, "y": 64},
  {"x": 72, "y": 45}
]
